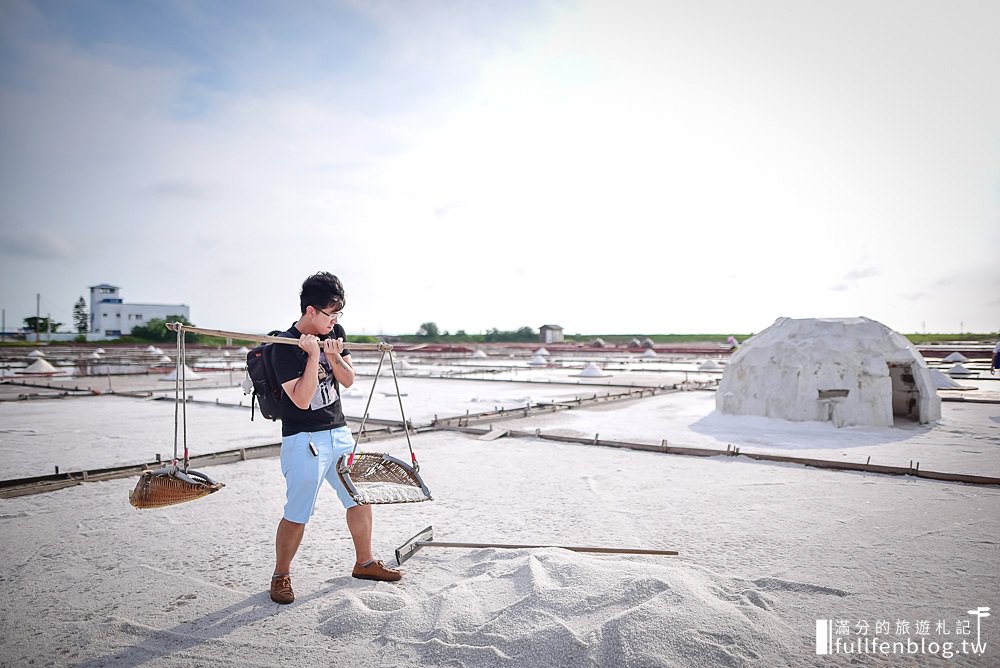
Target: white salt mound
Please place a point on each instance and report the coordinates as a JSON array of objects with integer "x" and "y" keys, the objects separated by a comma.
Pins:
[
  {"x": 956, "y": 357},
  {"x": 40, "y": 365},
  {"x": 551, "y": 607},
  {"x": 541, "y": 351},
  {"x": 649, "y": 353},
  {"x": 189, "y": 374},
  {"x": 537, "y": 360},
  {"x": 36, "y": 353},
  {"x": 943, "y": 382},
  {"x": 592, "y": 371},
  {"x": 480, "y": 354},
  {"x": 709, "y": 365},
  {"x": 960, "y": 370}
]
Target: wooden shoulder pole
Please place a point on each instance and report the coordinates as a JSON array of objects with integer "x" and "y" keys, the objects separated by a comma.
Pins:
[{"x": 264, "y": 338}]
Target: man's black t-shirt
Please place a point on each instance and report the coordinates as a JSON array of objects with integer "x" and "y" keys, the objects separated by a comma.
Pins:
[{"x": 324, "y": 410}]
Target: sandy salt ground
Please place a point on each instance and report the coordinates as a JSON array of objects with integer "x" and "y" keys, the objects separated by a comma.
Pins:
[{"x": 765, "y": 551}]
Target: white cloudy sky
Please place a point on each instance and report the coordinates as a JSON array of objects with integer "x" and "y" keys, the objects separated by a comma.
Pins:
[{"x": 633, "y": 166}]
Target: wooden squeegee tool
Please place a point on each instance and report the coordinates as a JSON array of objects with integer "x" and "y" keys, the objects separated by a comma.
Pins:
[{"x": 425, "y": 538}]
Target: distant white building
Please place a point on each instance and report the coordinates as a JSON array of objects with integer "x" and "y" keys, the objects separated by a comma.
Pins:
[
  {"x": 551, "y": 333},
  {"x": 110, "y": 317}
]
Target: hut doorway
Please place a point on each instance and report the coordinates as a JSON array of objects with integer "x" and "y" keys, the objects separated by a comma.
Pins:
[{"x": 905, "y": 393}]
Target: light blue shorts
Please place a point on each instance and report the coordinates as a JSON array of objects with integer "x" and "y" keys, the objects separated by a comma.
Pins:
[{"x": 305, "y": 472}]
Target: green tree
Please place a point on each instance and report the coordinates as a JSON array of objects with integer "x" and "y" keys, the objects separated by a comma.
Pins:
[
  {"x": 41, "y": 325},
  {"x": 525, "y": 334},
  {"x": 156, "y": 330},
  {"x": 80, "y": 316},
  {"x": 428, "y": 330}
]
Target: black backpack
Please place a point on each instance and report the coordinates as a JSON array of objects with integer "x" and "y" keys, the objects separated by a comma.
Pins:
[{"x": 261, "y": 381}]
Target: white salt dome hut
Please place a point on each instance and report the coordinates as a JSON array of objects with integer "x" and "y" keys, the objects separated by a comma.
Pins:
[
  {"x": 955, "y": 357},
  {"x": 189, "y": 374},
  {"x": 849, "y": 371}
]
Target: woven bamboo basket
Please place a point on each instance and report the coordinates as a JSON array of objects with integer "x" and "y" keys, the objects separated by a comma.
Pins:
[
  {"x": 157, "y": 489},
  {"x": 380, "y": 478}
]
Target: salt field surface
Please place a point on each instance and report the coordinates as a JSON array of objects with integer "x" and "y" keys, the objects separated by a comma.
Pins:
[{"x": 765, "y": 549}]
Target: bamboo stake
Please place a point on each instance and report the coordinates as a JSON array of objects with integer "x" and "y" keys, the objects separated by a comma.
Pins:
[{"x": 263, "y": 338}]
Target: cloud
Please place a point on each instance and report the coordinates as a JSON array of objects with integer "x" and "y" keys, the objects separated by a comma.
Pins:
[
  {"x": 945, "y": 281},
  {"x": 36, "y": 244},
  {"x": 859, "y": 273},
  {"x": 184, "y": 189}
]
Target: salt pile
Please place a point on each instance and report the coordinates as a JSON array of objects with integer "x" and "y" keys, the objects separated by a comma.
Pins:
[
  {"x": 189, "y": 374},
  {"x": 480, "y": 354},
  {"x": 943, "y": 382},
  {"x": 592, "y": 371},
  {"x": 956, "y": 357},
  {"x": 40, "y": 366},
  {"x": 537, "y": 360},
  {"x": 541, "y": 351},
  {"x": 709, "y": 365},
  {"x": 36, "y": 353},
  {"x": 960, "y": 370}
]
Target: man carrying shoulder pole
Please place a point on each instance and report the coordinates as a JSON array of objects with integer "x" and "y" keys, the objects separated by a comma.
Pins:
[{"x": 314, "y": 430}]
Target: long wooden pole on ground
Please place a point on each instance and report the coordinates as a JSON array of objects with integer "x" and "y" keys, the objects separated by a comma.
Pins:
[
  {"x": 425, "y": 538},
  {"x": 508, "y": 546},
  {"x": 264, "y": 338}
]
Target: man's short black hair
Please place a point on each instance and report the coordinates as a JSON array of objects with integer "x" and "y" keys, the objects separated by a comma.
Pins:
[{"x": 322, "y": 290}]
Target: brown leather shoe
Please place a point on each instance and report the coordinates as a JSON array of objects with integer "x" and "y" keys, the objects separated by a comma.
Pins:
[
  {"x": 376, "y": 570},
  {"x": 281, "y": 589}
]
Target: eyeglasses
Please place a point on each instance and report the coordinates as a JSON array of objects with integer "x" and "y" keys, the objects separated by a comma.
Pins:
[{"x": 334, "y": 315}]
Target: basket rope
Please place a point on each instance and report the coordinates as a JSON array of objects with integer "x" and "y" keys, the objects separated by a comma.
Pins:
[
  {"x": 402, "y": 413},
  {"x": 174, "y": 484}
]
